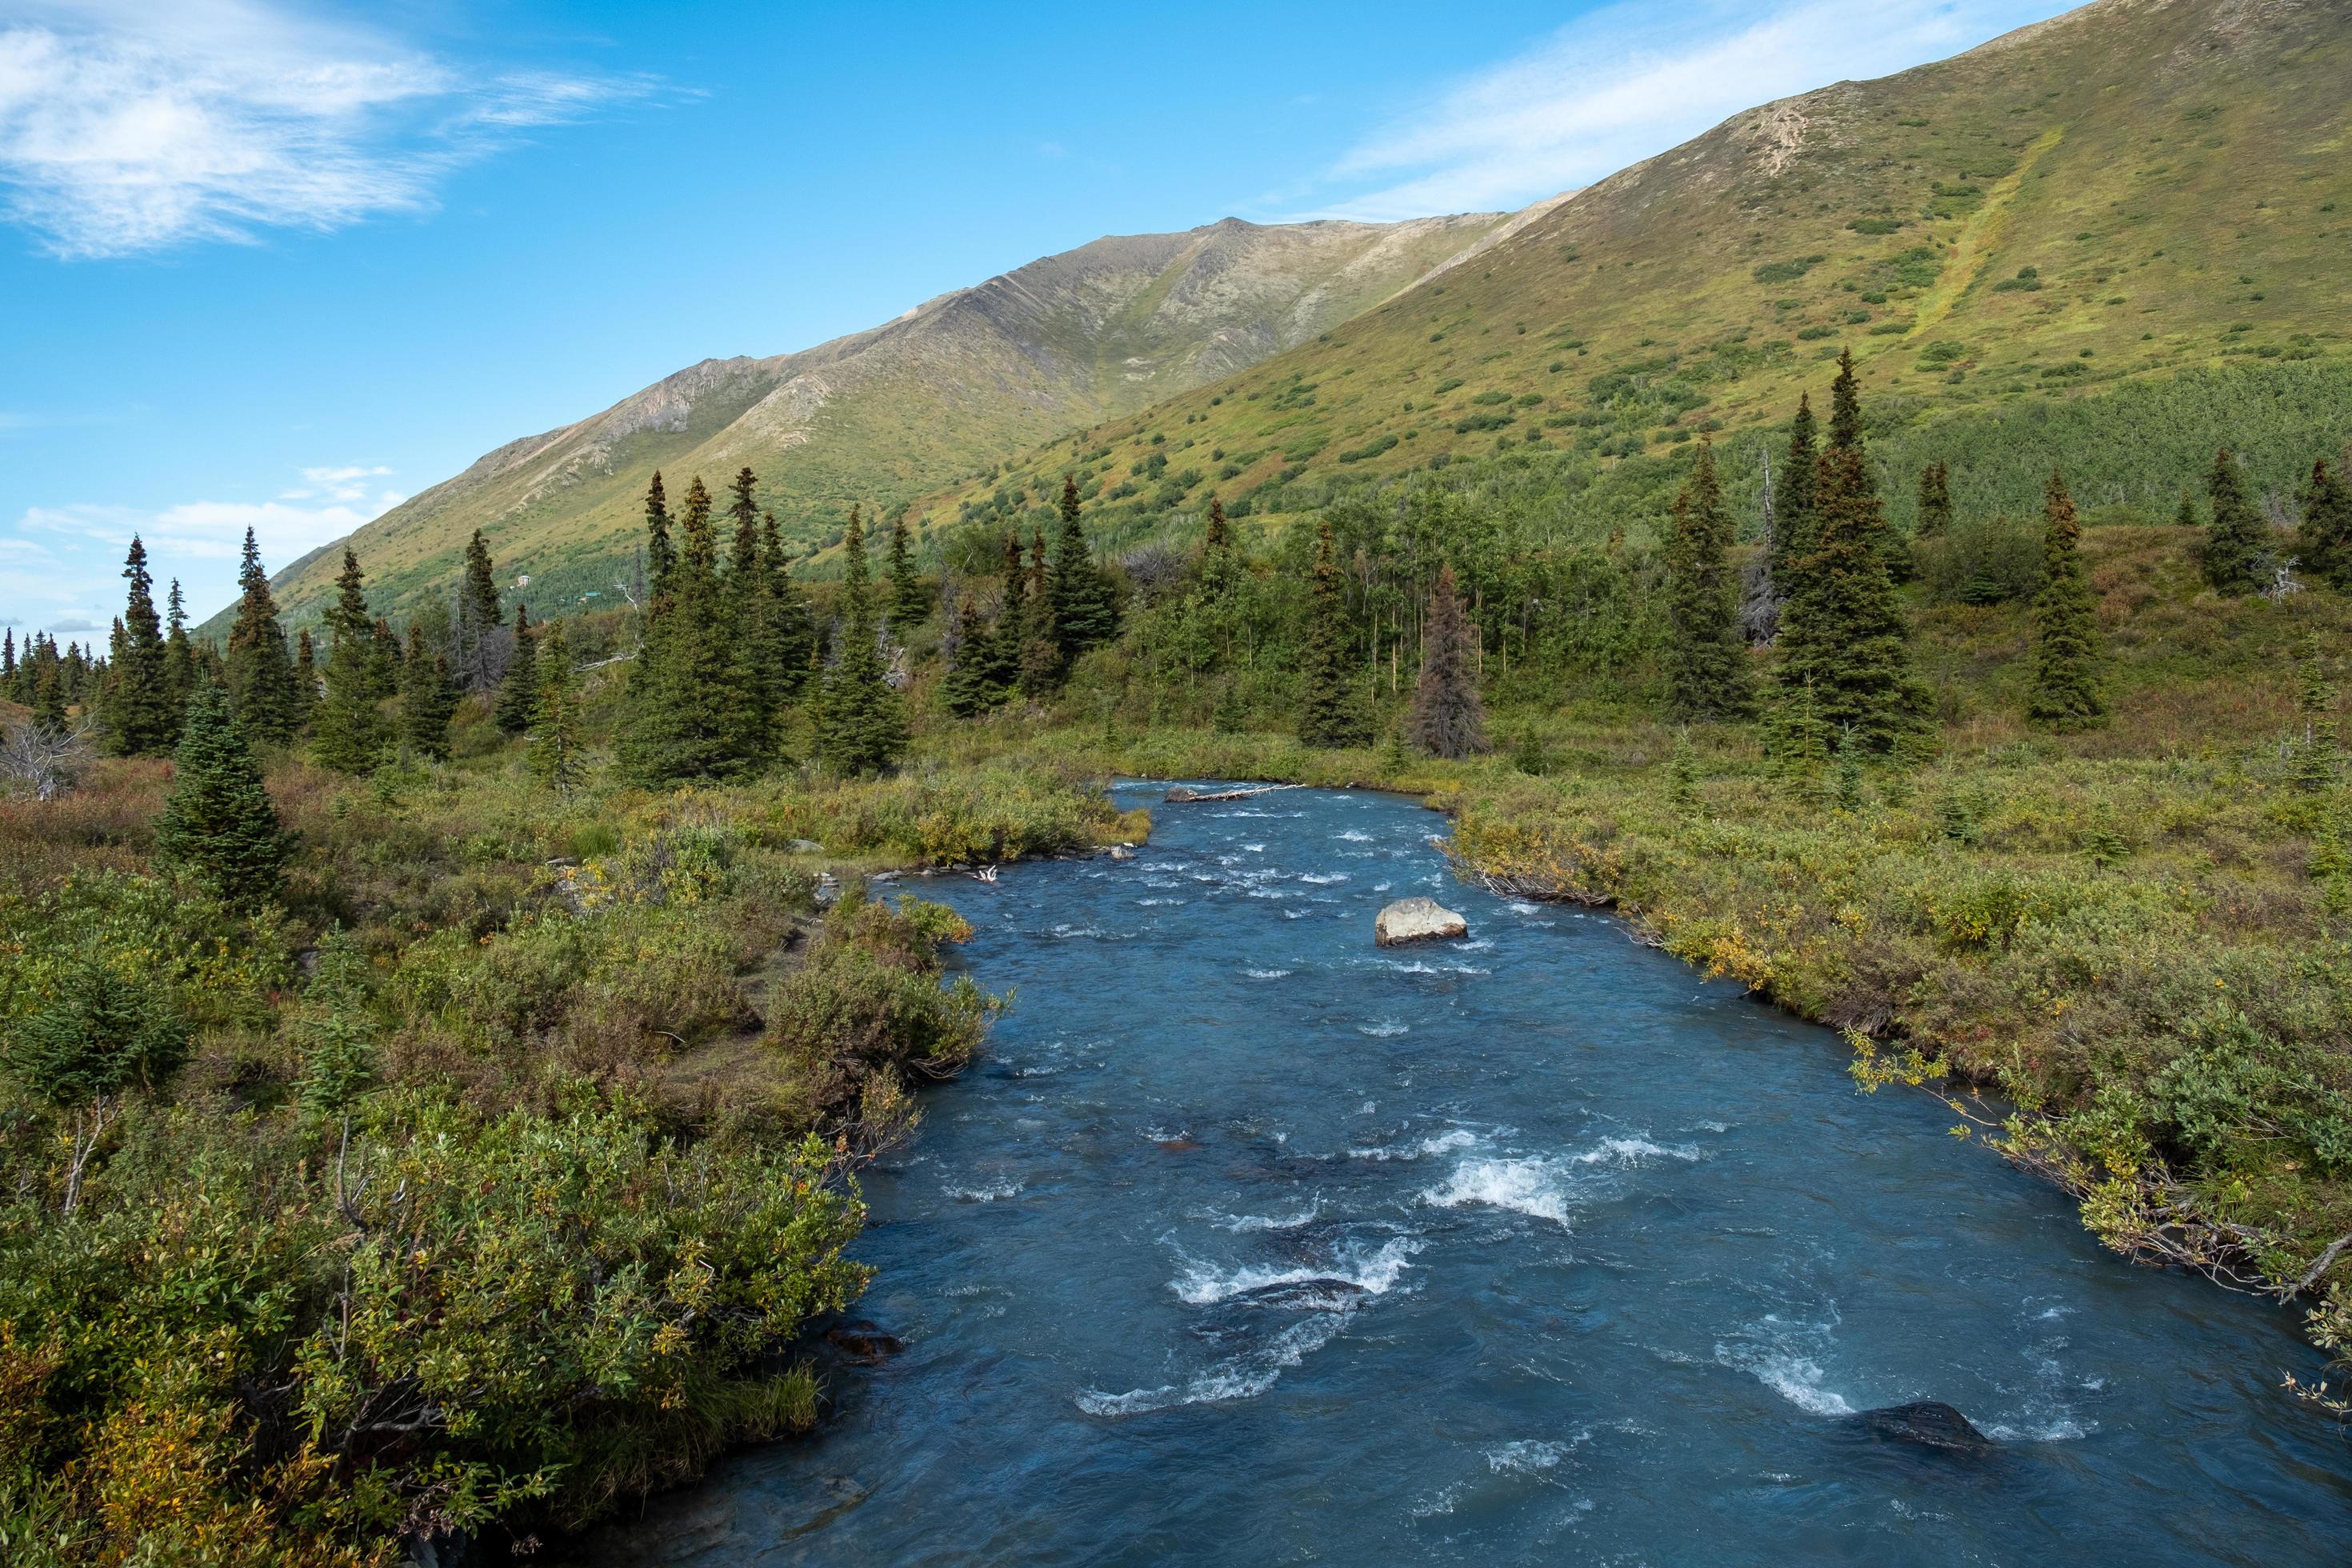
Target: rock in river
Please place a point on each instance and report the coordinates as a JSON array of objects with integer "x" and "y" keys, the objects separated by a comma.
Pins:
[
  {"x": 1929, "y": 1423},
  {"x": 1417, "y": 919}
]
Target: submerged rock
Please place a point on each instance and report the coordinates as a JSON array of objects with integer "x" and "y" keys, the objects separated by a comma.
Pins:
[
  {"x": 1417, "y": 919},
  {"x": 1928, "y": 1424},
  {"x": 864, "y": 1342}
]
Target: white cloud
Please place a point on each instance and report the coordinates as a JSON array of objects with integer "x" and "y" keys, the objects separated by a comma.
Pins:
[
  {"x": 214, "y": 531},
  {"x": 1630, "y": 80},
  {"x": 131, "y": 125}
]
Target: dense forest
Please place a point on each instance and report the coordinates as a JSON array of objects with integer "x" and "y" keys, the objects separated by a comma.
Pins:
[{"x": 438, "y": 1056}]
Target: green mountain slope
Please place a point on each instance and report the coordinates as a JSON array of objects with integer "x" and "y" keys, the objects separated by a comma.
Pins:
[
  {"x": 884, "y": 414},
  {"x": 2135, "y": 190}
]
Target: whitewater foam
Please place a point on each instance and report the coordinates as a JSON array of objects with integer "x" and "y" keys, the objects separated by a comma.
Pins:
[
  {"x": 1243, "y": 1377},
  {"x": 1375, "y": 1273},
  {"x": 1384, "y": 1028},
  {"x": 984, "y": 1194},
  {"x": 1528, "y": 1186},
  {"x": 1441, "y": 1144}
]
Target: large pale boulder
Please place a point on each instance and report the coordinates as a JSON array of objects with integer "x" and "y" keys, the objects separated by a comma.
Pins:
[{"x": 1417, "y": 919}]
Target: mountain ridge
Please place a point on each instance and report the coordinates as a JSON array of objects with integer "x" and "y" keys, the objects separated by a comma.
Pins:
[
  {"x": 883, "y": 413},
  {"x": 2128, "y": 190}
]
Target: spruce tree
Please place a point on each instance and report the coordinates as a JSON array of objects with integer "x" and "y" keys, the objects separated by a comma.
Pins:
[
  {"x": 1446, "y": 719},
  {"x": 660, "y": 553},
  {"x": 8, "y": 658},
  {"x": 1793, "y": 521},
  {"x": 428, "y": 698},
  {"x": 179, "y": 660},
  {"x": 219, "y": 827},
  {"x": 1706, "y": 657},
  {"x": 748, "y": 606},
  {"x": 1333, "y": 712},
  {"x": 1845, "y": 410},
  {"x": 1218, "y": 567},
  {"x": 2235, "y": 538},
  {"x": 479, "y": 618},
  {"x": 966, "y": 689},
  {"x": 306, "y": 675},
  {"x": 2065, "y": 690},
  {"x": 556, "y": 757},
  {"x": 1845, "y": 637},
  {"x": 139, "y": 702},
  {"x": 792, "y": 630},
  {"x": 910, "y": 602},
  {"x": 518, "y": 688},
  {"x": 2323, "y": 542},
  {"x": 1935, "y": 502},
  {"x": 1041, "y": 654},
  {"x": 348, "y": 735},
  {"x": 689, "y": 713},
  {"x": 865, "y": 722},
  {"x": 48, "y": 702},
  {"x": 1084, "y": 614},
  {"x": 2186, "y": 516}
]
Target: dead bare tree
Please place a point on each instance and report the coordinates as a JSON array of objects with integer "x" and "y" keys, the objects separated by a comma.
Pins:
[{"x": 42, "y": 760}]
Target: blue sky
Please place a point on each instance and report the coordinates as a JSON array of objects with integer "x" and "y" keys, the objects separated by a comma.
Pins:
[{"x": 282, "y": 265}]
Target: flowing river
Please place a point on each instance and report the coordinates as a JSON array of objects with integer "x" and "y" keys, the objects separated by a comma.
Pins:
[{"x": 1249, "y": 1242}]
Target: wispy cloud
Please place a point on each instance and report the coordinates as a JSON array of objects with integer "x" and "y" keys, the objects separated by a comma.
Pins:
[
  {"x": 212, "y": 529},
  {"x": 133, "y": 125},
  {"x": 1630, "y": 80}
]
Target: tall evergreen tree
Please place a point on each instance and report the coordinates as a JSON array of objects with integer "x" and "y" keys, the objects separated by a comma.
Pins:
[
  {"x": 2322, "y": 545},
  {"x": 1793, "y": 508},
  {"x": 48, "y": 702},
  {"x": 383, "y": 658},
  {"x": 661, "y": 555},
  {"x": 428, "y": 698},
  {"x": 865, "y": 722},
  {"x": 2065, "y": 690},
  {"x": 219, "y": 826},
  {"x": 348, "y": 734},
  {"x": 1935, "y": 500},
  {"x": 179, "y": 659},
  {"x": 518, "y": 686},
  {"x": 1218, "y": 567},
  {"x": 749, "y": 604},
  {"x": 1085, "y": 614},
  {"x": 556, "y": 756},
  {"x": 909, "y": 600},
  {"x": 2235, "y": 539},
  {"x": 966, "y": 689},
  {"x": 1707, "y": 657},
  {"x": 306, "y": 674},
  {"x": 1040, "y": 655},
  {"x": 1845, "y": 636},
  {"x": 139, "y": 708},
  {"x": 689, "y": 714},
  {"x": 1334, "y": 712},
  {"x": 8, "y": 658},
  {"x": 481, "y": 619},
  {"x": 792, "y": 630},
  {"x": 1446, "y": 719},
  {"x": 1845, "y": 411}
]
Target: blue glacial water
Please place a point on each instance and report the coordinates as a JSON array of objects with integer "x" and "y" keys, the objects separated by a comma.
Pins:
[{"x": 1251, "y": 1243}]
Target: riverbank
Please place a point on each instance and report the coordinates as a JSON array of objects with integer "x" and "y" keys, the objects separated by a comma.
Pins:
[{"x": 485, "y": 1177}]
